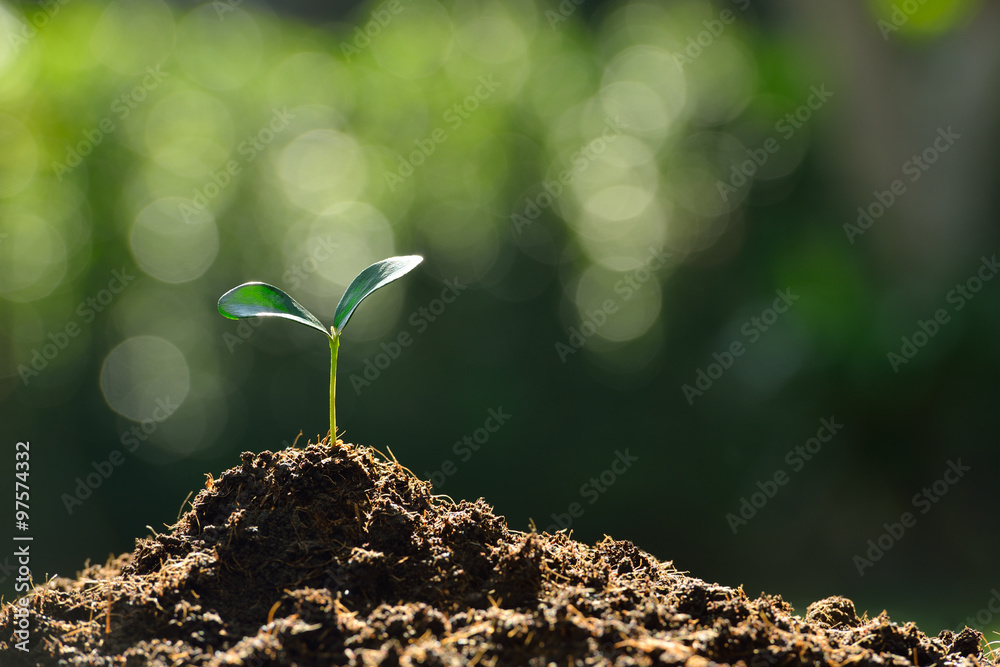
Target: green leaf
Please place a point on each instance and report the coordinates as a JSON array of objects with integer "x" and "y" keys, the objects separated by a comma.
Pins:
[
  {"x": 263, "y": 300},
  {"x": 375, "y": 276}
]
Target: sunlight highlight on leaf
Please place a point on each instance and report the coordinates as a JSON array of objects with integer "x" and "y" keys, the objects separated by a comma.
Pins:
[
  {"x": 262, "y": 300},
  {"x": 375, "y": 276}
]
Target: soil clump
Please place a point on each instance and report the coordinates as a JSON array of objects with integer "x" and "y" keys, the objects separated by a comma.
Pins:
[{"x": 335, "y": 556}]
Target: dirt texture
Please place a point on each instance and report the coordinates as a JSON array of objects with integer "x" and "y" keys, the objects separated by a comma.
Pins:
[{"x": 336, "y": 556}]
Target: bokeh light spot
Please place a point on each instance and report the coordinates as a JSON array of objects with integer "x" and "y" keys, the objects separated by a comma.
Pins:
[
  {"x": 600, "y": 300},
  {"x": 174, "y": 242},
  {"x": 321, "y": 168},
  {"x": 645, "y": 88},
  {"x": 32, "y": 257},
  {"x": 492, "y": 39},
  {"x": 923, "y": 18},
  {"x": 189, "y": 133},
  {"x": 415, "y": 42},
  {"x": 463, "y": 240},
  {"x": 619, "y": 202},
  {"x": 606, "y": 242},
  {"x": 311, "y": 77},
  {"x": 18, "y": 156},
  {"x": 145, "y": 378},
  {"x": 132, "y": 35},
  {"x": 218, "y": 54}
]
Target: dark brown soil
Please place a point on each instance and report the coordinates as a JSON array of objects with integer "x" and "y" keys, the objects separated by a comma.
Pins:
[{"x": 333, "y": 556}]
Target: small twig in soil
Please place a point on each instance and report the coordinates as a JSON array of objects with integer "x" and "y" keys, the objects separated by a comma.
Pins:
[
  {"x": 180, "y": 512},
  {"x": 270, "y": 613}
]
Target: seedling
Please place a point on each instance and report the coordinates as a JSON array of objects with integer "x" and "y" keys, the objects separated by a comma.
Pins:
[{"x": 257, "y": 299}]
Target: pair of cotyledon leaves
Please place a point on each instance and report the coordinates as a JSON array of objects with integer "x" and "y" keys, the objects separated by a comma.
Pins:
[{"x": 257, "y": 299}]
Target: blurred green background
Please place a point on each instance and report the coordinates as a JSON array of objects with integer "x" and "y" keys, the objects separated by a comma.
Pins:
[{"x": 611, "y": 199}]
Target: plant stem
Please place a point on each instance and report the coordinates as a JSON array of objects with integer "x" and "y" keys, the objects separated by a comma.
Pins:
[{"x": 334, "y": 346}]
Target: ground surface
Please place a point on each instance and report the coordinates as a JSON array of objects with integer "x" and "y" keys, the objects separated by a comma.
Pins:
[{"x": 333, "y": 556}]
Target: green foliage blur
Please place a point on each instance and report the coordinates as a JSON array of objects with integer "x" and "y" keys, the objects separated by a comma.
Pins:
[{"x": 664, "y": 242}]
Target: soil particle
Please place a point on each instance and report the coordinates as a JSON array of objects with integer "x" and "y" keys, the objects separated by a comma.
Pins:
[
  {"x": 334, "y": 556},
  {"x": 833, "y": 612}
]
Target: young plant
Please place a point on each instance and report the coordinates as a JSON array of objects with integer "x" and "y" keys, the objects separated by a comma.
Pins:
[{"x": 257, "y": 299}]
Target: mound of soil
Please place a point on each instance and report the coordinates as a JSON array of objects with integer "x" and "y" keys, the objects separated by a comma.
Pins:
[{"x": 333, "y": 556}]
